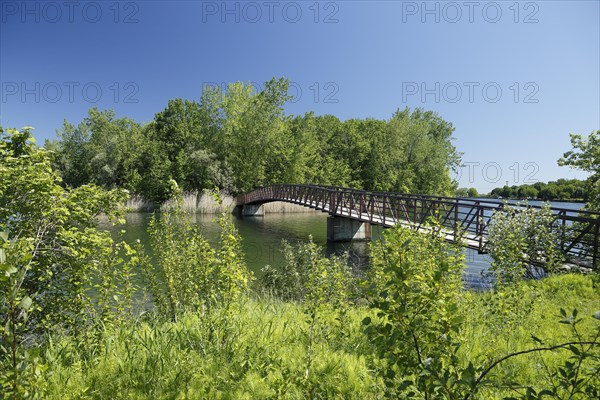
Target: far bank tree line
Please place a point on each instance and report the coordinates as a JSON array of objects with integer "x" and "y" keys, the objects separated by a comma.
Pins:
[
  {"x": 238, "y": 139},
  {"x": 584, "y": 156},
  {"x": 561, "y": 189}
]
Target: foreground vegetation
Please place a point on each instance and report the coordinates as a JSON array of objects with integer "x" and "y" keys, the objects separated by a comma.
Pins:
[
  {"x": 87, "y": 316},
  {"x": 261, "y": 351}
]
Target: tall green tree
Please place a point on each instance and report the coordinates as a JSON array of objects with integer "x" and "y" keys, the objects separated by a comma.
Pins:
[
  {"x": 423, "y": 151},
  {"x": 237, "y": 139},
  {"x": 253, "y": 127},
  {"x": 179, "y": 129},
  {"x": 472, "y": 192},
  {"x": 585, "y": 156},
  {"x": 100, "y": 150}
]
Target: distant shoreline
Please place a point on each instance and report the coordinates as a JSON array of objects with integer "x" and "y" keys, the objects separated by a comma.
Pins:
[{"x": 578, "y": 201}]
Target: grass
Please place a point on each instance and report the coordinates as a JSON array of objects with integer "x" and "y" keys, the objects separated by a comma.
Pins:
[
  {"x": 259, "y": 351},
  {"x": 138, "y": 204},
  {"x": 489, "y": 336}
]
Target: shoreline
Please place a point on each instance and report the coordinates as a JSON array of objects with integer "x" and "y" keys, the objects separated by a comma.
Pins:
[{"x": 204, "y": 203}]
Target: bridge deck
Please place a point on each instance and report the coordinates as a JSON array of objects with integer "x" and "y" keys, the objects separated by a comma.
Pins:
[
  {"x": 469, "y": 240},
  {"x": 580, "y": 229}
]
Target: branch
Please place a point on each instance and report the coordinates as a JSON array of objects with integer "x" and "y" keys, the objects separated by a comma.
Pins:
[{"x": 518, "y": 353}]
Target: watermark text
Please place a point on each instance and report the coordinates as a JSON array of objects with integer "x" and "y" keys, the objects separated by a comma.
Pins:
[
  {"x": 69, "y": 92},
  {"x": 52, "y": 12},
  {"x": 252, "y": 12},
  {"x": 471, "y": 92}
]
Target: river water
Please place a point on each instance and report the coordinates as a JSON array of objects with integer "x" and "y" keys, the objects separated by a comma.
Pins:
[{"x": 262, "y": 236}]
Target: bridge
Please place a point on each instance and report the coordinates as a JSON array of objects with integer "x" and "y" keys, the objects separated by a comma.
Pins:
[{"x": 352, "y": 213}]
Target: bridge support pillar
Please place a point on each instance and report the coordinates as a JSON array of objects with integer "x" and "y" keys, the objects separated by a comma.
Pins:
[
  {"x": 253, "y": 210},
  {"x": 340, "y": 229}
]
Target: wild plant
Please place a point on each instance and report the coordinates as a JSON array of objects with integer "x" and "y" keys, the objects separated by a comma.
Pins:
[
  {"x": 415, "y": 290},
  {"x": 53, "y": 260},
  {"x": 323, "y": 287},
  {"x": 192, "y": 275},
  {"x": 519, "y": 240}
]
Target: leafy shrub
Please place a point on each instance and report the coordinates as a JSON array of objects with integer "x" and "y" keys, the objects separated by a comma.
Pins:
[
  {"x": 57, "y": 270},
  {"x": 416, "y": 286},
  {"x": 519, "y": 238},
  {"x": 190, "y": 275},
  {"x": 290, "y": 280},
  {"x": 423, "y": 322}
]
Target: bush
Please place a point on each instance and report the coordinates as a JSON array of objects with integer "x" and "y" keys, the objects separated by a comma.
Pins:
[
  {"x": 519, "y": 238},
  {"x": 416, "y": 286},
  {"x": 189, "y": 274},
  {"x": 57, "y": 270}
]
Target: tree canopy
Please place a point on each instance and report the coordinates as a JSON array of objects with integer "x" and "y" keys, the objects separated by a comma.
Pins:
[{"x": 238, "y": 139}]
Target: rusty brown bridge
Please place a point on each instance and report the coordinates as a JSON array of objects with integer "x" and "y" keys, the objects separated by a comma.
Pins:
[{"x": 352, "y": 212}]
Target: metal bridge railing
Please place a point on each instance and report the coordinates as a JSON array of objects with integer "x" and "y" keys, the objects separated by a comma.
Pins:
[{"x": 580, "y": 229}]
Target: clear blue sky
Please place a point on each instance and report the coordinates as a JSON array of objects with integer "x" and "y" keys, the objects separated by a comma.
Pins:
[{"x": 346, "y": 58}]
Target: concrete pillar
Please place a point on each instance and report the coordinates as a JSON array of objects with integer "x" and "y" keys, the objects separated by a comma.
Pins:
[
  {"x": 340, "y": 229},
  {"x": 237, "y": 211},
  {"x": 253, "y": 210}
]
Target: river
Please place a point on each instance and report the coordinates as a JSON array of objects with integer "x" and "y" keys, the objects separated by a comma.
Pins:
[{"x": 262, "y": 236}]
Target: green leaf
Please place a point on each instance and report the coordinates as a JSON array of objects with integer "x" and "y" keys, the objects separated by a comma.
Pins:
[
  {"x": 8, "y": 269},
  {"x": 25, "y": 303},
  {"x": 563, "y": 313},
  {"x": 536, "y": 339}
]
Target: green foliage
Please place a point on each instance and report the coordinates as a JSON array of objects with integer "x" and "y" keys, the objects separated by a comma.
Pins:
[
  {"x": 561, "y": 189},
  {"x": 190, "y": 274},
  {"x": 579, "y": 375},
  {"x": 323, "y": 286},
  {"x": 424, "y": 152},
  {"x": 464, "y": 192},
  {"x": 325, "y": 305},
  {"x": 520, "y": 237},
  {"x": 292, "y": 279},
  {"x": 519, "y": 240},
  {"x": 436, "y": 342},
  {"x": 238, "y": 139},
  {"x": 260, "y": 353},
  {"x": 262, "y": 357},
  {"x": 472, "y": 192},
  {"x": 288, "y": 281},
  {"x": 52, "y": 259},
  {"x": 99, "y": 150},
  {"x": 416, "y": 291},
  {"x": 585, "y": 156}
]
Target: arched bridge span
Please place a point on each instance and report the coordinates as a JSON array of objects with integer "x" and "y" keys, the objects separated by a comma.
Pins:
[{"x": 352, "y": 212}]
